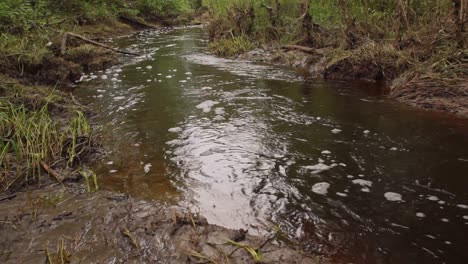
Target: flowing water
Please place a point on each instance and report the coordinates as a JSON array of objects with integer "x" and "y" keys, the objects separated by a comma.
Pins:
[{"x": 340, "y": 169}]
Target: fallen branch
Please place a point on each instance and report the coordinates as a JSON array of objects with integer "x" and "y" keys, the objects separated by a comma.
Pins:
[
  {"x": 51, "y": 172},
  {"x": 66, "y": 35},
  {"x": 7, "y": 197},
  {"x": 138, "y": 22},
  {"x": 301, "y": 48}
]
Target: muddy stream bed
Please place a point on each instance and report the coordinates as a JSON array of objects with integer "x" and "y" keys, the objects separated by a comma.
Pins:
[{"x": 339, "y": 168}]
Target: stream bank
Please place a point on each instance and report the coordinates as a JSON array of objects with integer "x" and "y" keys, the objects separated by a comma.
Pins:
[
  {"x": 65, "y": 222},
  {"x": 423, "y": 92},
  {"x": 68, "y": 224}
]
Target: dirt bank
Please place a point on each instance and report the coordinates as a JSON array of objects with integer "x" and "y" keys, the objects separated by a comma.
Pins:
[
  {"x": 66, "y": 223},
  {"x": 424, "y": 92}
]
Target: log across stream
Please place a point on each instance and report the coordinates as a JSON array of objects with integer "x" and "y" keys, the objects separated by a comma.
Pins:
[{"x": 339, "y": 168}]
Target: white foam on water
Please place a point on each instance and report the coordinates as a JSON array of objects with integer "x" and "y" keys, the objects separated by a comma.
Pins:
[
  {"x": 175, "y": 130},
  {"x": 206, "y": 88},
  {"x": 321, "y": 188},
  {"x": 366, "y": 131},
  {"x": 110, "y": 163},
  {"x": 138, "y": 68},
  {"x": 104, "y": 77},
  {"x": 168, "y": 76},
  {"x": 441, "y": 202},
  {"x": 462, "y": 206},
  {"x": 149, "y": 80},
  {"x": 326, "y": 152},
  {"x": 114, "y": 79},
  {"x": 116, "y": 74},
  {"x": 341, "y": 194},
  {"x": 365, "y": 190},
  {"x": 342, "y": 165},
  {"x": 282, "y": 170},
  {"x": 448, "y": 242},
  {"x": 363, "y": 183},
  {"x": 188, "y": 73},
  {"x": 183, "y": 81},
  {"x": 147, "y": 168},
  {"x": 433, "y": 198},
  {"x": 336, "y": 131},
  {"x": 101, "y": 91},
  {"x": 445, "y": 220},
  {"x": 149, "y": 67},
  {"x": 393, "y": 197},
  {"x": 220, "y": 111},
  {"x": 118, "y": 70},
  {"x": 136, "y": 144},
  {"x": 394, "y": 149},
  {"x": 318, "y": 167},
  {"x": 350, "y": 176},
  {"x": 465, "y": 217},
  {"x": 159, "y": 74},
  {"x": 207, "y": 105},
  {"x": 100, "y": 96},
  {"x": 174, "y": 70},
  {"x": 174, "y": 142},
  {"x": 118, "y": 98},
  {"x": 112, "y": 171},
  {"x": 420, "y": 215},
  {"x": 431, "y": 236}
]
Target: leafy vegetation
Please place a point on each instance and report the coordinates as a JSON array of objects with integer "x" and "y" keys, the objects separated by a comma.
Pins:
[{"x": 388, "y": 38}]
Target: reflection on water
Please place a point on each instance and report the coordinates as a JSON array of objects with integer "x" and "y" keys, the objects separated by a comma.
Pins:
[{"x": 251, "y": 146}]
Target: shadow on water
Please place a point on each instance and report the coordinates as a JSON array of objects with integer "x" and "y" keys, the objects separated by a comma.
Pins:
[{"x": 340, "y": 169}]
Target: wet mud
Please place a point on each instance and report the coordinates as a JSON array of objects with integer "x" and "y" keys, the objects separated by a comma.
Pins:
[{"x": 67, "y": 224}]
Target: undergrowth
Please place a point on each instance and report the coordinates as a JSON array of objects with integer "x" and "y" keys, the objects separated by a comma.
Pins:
[
  {"x": 32, "y": 142},
  {"x": 229, "y": 47}
]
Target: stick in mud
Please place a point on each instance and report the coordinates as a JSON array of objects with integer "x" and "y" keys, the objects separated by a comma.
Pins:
[{"x": 63, "y": 46}]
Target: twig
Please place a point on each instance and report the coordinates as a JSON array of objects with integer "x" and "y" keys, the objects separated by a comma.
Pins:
[
  {"x": 8, "y": 197},
  {"x": 63, "y": 46},
  {"x": 51, "y": 172}
]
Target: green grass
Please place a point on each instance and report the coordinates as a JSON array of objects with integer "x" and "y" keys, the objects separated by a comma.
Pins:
[
  {"x": 29, "y": 137},
  {"x": 229, "y": 47}
]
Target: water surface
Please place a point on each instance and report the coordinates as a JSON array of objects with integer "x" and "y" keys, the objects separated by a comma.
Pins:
[{"x": 341, "y": 170}]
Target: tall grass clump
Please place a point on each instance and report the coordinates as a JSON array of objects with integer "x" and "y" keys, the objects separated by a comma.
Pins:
[
  {"x": 229, "y": 47},
  {"x": 32, "y": 142}
]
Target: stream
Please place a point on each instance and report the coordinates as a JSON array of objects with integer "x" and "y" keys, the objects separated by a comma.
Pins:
[{"x": 342, "y": 170}]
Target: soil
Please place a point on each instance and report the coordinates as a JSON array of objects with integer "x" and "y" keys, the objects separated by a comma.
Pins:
[
  {"x": 65, "y": 222},
  {"x": 424, "y": 93}
]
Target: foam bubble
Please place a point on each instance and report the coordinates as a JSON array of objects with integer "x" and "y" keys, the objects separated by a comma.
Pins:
[
  {"x": 147, "y": 168},
  {"x": 318, "y": 167},
  {"x": 341, "y": 194},
  {"x": 462, "y": 206},
  {"x": 420, "y": 215},
  {"x": 363, "y": 183},
  {"x": 433, "y": 198},
  {"x": 326, "y": 152},
  {"x": 393, "y": 197},
  {"x": 336, "y": 131},
  {"x": 207, "y": 105},
  {"x": 104, "y": 77},
  {"x": 321, "y": 188},
  {"x": 175, "y": 130},
  {"x": 112, "y": 171}
]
